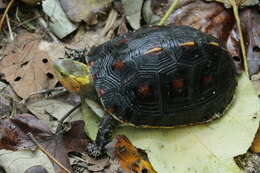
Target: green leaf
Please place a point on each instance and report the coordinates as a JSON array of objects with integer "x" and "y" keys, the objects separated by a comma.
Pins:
[{"x": 207, "y": 148}]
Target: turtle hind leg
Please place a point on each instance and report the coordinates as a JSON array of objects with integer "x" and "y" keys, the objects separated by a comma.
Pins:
[{"x": 104, "y": 136}]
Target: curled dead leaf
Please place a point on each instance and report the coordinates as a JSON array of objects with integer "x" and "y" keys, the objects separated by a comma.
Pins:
[
  {"x": 211, "y": 18},
  {"x": 128, "y": 157}
]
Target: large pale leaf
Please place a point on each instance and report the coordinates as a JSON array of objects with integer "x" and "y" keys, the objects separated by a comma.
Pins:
[
  {"x": 59, "y": 23},
  {"x": 207, "y": 148},
  {"x": 20, "y": 161}
]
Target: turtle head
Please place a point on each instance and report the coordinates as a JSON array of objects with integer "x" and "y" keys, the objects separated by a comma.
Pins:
[{"x": 73, "y": 75}]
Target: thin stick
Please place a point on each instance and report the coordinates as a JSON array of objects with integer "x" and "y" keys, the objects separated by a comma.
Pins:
[
  {"x": 45, "y": 25},
  {"x": 45, "y": 91},
  {"x": 5, "y": 13},
  {"x": 47, "y": 153},
  {"x": 168, "y": 13},
  {"x": 235, "y": 11},
  {"x": 9, "y": 28},
  {"x": 59, "y": 127}
]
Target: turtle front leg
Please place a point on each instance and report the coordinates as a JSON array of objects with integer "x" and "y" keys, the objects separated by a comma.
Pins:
[{"x": 104, "y": 136}]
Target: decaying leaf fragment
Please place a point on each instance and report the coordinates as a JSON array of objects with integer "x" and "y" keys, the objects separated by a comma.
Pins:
[
  {"x": 14, "y": 132},
  {"x": 9, "y": 101},
  {"x": 250, "y": 21},
  {"x": 255, "y": 147},
  {"x": 128, "y": 157},
  {"x": 239, "y": 3},
  {"x": 85, "y": 10}
]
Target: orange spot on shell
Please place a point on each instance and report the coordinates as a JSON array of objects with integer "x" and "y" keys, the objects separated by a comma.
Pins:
[
  {"x": 122, "y": 41},
  {"x": 190, "y": 43},
  {"x": 207, "y": 79},
  {"x": 178, "y": 83},
  {"x": 144, "y": 89},
  {"x": 154, "y": 50},
  {"x": 118, "y": 65},
  {"x": 214, "y": 44}
]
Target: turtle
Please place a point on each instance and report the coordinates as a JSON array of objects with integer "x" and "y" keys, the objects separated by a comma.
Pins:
[{"x": 158, "y": 77}]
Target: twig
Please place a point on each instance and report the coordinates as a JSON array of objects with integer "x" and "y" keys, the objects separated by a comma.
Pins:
[
  {"x": 16, "y": 14},
  {"x": 235, "y": 11},
  {"x": 44, "y": 24},
  {"x": 168, "y": 12},
  {"x": 40, "y": 93},
  {"x": 9, "y": 28},
  {"x": 59, "y": 127},
  {"x": 47, "y": 153},
  {"x": 5, "y": 13},
  {"x": 26, "y": 21}
]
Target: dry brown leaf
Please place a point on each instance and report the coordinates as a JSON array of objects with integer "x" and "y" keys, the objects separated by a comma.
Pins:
[
  {"x": 9, "y": 101},
  {"x": 211, "y": 18},
  {"x": 27, "y": 68},
  {"x": 127, "y": 157},
  {"x": 233, "y": 47},
  {"x": 256, "y": 144},
  {"x": 14, "y": 136},
  {"x": 250, "y": 21},
  {"x": 122, "y": 29}
]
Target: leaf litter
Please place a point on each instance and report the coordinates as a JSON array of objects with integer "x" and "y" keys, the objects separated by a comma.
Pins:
[
  {"x": 15, "y": 131},
  {"x": 136, "y": 139}
]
